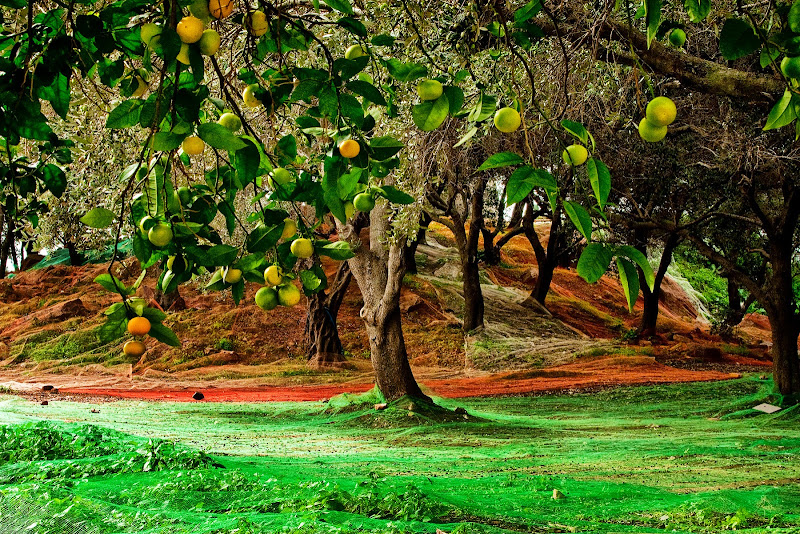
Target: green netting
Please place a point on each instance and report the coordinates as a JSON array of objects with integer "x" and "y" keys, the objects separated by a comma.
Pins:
[{"x": 646, "y": 459}]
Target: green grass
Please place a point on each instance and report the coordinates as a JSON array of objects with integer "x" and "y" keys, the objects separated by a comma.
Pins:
[{"x": 678, "y": 458}]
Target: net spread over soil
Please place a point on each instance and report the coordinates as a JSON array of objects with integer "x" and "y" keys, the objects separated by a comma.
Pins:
[{"x": 637, "y": 459}]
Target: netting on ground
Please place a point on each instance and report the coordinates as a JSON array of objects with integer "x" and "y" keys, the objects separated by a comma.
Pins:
[{"x": 647, "y": 459}]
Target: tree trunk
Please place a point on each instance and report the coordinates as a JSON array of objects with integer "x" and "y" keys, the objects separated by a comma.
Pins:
[
  {"x": 652, "y": 298},
  {"x": 546, "y": 258},
  {"x": 473, "y": 295},
  {"x": 322, "y": 332},
  {"x": 783, "y": 320},
  {"x": 378, "y": 270},
  {"x": 172, "y": 301},
  {"x": 75, "y": 257},
  {"x": 410, "y": 251}
]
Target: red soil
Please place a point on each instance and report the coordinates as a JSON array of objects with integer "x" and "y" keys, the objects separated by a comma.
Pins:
[{"x": 582, "y": 375}]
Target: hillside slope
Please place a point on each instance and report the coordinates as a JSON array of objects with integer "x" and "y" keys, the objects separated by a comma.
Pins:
[{"x": 48, "y": 317}]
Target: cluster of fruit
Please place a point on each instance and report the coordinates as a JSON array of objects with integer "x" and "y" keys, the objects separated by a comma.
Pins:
[
  {"x": 659, "y": 114},
  {"x": 137, "y": 327}
]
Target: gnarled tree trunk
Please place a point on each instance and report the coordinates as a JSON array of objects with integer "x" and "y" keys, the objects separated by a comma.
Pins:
[
  {"x": 651, "y": 298},
  {"x": 378, "y": 270},
  {"x": 324, "y": 348}
]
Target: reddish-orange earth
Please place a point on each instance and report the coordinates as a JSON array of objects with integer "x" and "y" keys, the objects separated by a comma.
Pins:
[{"x": 597, "y": 373}]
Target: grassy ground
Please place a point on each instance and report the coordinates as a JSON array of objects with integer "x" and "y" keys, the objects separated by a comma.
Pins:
[{"x": 678, "y": 458}]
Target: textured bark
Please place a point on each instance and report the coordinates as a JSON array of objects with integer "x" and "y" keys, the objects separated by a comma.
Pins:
[
  {"x": 324, "y": 348},
  {"x": 410, "y": 252},
  {"x": 172, "y": 301},
  {"x": 546, "y": 258},
  {"x": 378, "y": 270},
  {"x": 651, "y": 299}
]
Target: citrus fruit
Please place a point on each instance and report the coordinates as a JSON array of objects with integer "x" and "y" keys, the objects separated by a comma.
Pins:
[
  {"x": 364, "y": 202},
  {"x": 354, "y": 52},
  {"x": 289, "y": 228},
  {"x": 349, "y": 209},
  {"x": 184, "y": 195},
  {"x": 209, "y": 43},
  {"x": 150, "y": 34},
  {"x": 429, "y": 89},
  {"x": 199, "y": 8},
  {"x": 160, "y": 235},
  {"x": 257, "y": 23},
  {"x": 141, "y": 87},
  {"x": 302, "y": 247},
  {"x": 790, "y": 67},
  {"x": 651, "y": 132},
  {"x": 267, "y": 298},
  {"x": 677, "y": 37},
  {"x": 176, "y": 264},
  {"x": 282, "y": 176},
  {"x": 575, "y": 155},
  {"x": 273, "y": 275},
  {"x": 193, "y": 145},
  {"x": 349, "y": 149},
  {"x": 134, "y": 348},
  {"x": 249, "y": 96},
  {"x": 231, "y": 122},
  {"x": 507, "y": 120},
  {"x": 220, "y": 9},
  {"x": 139, "y": 326},
  {"x": 231, "y": 276},
  {"x": 288, "y": 295},
  {"x": 190, "y": 29},
  {"x": 661, "y": 111},
  {"x": 183, "y": 54}
]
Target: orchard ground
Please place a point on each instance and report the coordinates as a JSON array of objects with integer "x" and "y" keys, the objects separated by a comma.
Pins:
[{"x": 562, "y": 426}]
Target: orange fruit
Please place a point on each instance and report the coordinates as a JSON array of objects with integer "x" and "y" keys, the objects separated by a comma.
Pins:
[
  {"x": 134, "y": 348},
  {"x": 139, "y": 326},
  {"x": 220, "y": 9},
  {"x": 190, "y": 29},
  {"x": 349, "y": 149}
]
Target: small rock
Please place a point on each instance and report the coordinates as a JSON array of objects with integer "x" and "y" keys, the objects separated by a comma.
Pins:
[
  {"x": 95, "y": 410},
  {"x": 45, "y": 403},
  {"x": 381, "y": 406},
  {"x": 558, "y": 495},
  {"x": 763, "y": 377},
  {"x": 198, "y": 396},
  {"x": 412, "y": 407},
  {"x": 54, "y": 391},
  {"x": 460, "y": 411},
  {"x": 47, "y": 387}
]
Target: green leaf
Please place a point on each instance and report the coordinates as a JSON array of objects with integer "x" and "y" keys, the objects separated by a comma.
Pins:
[
  {"x": 783, "y": 112},
  {"x": 383, "y": 148},
  {"x": 222, "y": 255},
  {"x": 580, "y": 218},
  {"x": 430, "y": 115},
  {"x": 405, "y": 72},
  {"x": 219, "y": 137},
  {"x": 594, "y": 261},
  {"x": 167, "y": 141},
  {"x": 652, "y": 17},
  {"x": 154, "y": 315},
  {"x": 247, "y": 161},
  {"x": 58, "y": 95},
  {"x": 342, "y": 6},
  {"x": 164, "y": 335},
  {"x": 576, "y": 129},
  {"x": 484, "y": 108},
  {"x": 467, "y": 136},
  {"x": 395, "y": 196},
  {"x": 338, "y": 250},
  {"x": 383, "y": 40},
  {"x": 347, "y": 182},
  {"x": 310, "y": 280},
  {"x": 793, "y": 18},
  {"x": 697, "y": 9},
  {"x": 111, "y": 283},
  {"x": 125, "y": 115},
  {"x": 113, "y": 329},
  {"x": 737, "y": 39},
  {"x": 367, "y": 90},
  {"x": 501, "y": 159},
  {"x": 639, "y": 259},
  {"x": 629, "y": 279},
  {"x": 600, "y": 178},
  {"x": 356, "y": 27},
  {"x": 523, "y": 180},
  {"x": 455, "y": 96},
  {"x": 527, "y": 11},
  {"x": 98, "y": 218},
  {"x": 263, "y": 238},
  {"x": 54, "y": 179}
]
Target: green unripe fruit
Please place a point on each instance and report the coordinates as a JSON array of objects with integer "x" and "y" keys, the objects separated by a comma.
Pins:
[
  {"x": 184, "y": 195},
  {"x": 677, "y": 37},
  {"x": 302, "y": 248},
  {"x": 790, "y": 67},
  {"x": 267, "y": 298},
  {"x": 289, "y": 295},
  {"x": 282, "y": 176},
  {"x": 430, "y": 89},
  {"x": 575, "y": 155},
  {"x": 231, "y": 122},
  {"x": 650, "y": 132},
  {"x": 273, "y": 275},
  {"x": 355, "y": 51},
  {"x": 364, "y": 202},
  {"x": 160, "y": 235},
  {"x": 661, "y": 111},
  {"x": 507, "y": 120}
]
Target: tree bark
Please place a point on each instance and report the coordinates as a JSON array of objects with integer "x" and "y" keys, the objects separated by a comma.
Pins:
[
  {"x": 783, "y": 319},
  {"x": 410, "y": 251},
  {"x": 378, "y": 270},
  {"x": 546, "y": 258},
  {"x": 324, "y": 347},
  {"x": 652, "y": 298}
]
